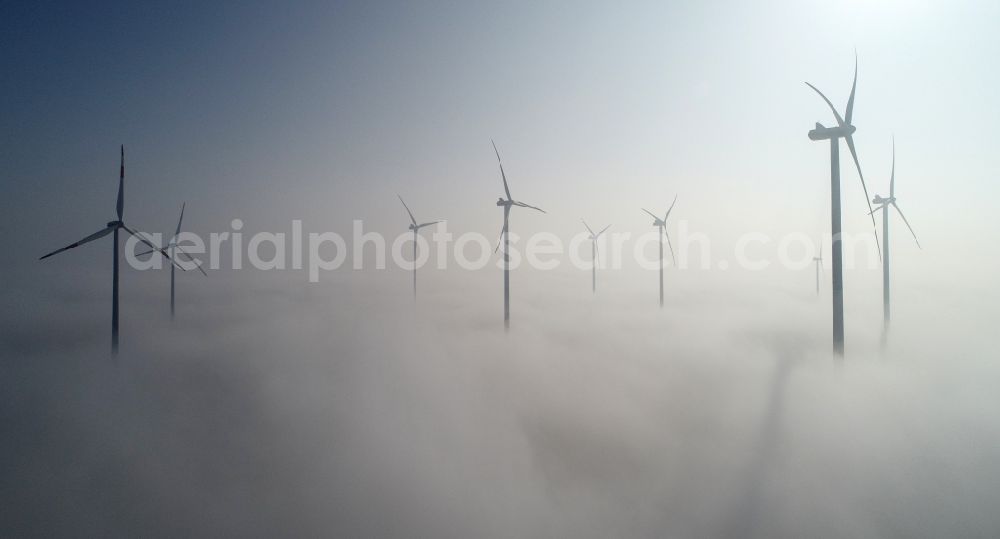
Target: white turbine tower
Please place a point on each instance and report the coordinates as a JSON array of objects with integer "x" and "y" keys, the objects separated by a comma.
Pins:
[
  {"x": 505, "y": 238},
  {"x": 171, "y": 249},
  {"x": 593, "y": 253},
  {"x": 883, "y": 204},
  {"x": 662, "y": 225},
  {"x": 112, "y": 228},
  {"x": 415, "y": 227},
  {"x": 844, "y": 130}
]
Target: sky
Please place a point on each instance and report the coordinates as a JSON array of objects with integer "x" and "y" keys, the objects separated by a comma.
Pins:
[{"x": 325, "y": 112}]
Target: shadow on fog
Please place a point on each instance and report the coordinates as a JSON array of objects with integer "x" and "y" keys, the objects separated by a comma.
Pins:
[{"x": 749, "y": 509}]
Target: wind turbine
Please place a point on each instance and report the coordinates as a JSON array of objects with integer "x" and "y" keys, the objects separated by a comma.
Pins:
[
  {"x": 844, "y": 130},
  {"x": 112, "y": 228},
  {"x": 415, "y": 227},
  {"x": 662, "y": 224},
  {"x": 505, "y": 240},
  {"x": 819, "y": 267},
  {"x": 593, "y": 253},
  {"x": 883, "y": 204},
  {"x": 172, "y": 246}
]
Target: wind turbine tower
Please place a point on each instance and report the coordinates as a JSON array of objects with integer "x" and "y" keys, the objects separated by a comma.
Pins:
[
  {"x": 844, "y": 130},
  {"x": 172, "y": 248},
  {"x": 112, "y": 228},
  {"x": 884, "y": 204},
  {"x": 415, "y": 227},
  {"x": 819, "y": 267},
  {"x": 593, "y": 254},
  {"x": 661, "y": 224},
  {"x": 506, "y": 204}
]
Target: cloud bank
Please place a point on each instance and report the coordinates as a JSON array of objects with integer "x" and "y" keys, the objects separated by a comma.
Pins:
[{"x": 343, "y": 409}]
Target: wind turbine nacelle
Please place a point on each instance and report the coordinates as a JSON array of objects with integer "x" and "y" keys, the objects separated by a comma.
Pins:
[
  {"x": 829, "y": 133},
  {"x": 501, "y": 202}
]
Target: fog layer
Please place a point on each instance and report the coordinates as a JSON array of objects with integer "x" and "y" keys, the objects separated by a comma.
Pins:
[{"x": 273, "y": 407}]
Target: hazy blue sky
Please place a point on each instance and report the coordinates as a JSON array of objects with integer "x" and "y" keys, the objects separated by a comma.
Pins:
[{"x": 324, "y": 111}]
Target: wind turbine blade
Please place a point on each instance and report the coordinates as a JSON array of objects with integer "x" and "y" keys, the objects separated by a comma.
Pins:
[
  {"x": 429, "y": 224},
  {"x": 840, "y": 121},
  {"x": 523, "y": 205},
  {"x": 892, "y": 177},
  {"x": 876, "y": 209},
  {"x": 854, "y": 86},
  {"x": 597, "y": 254},
  {"x": 191, "y": 259},
  {"x": 502, "y": 175},
  {"x": 144, "y": 253},
  {"x": 120, "y": 207},
  {"x": 894, "y": 205},
  {"x": 412, "y": 218},
  {"x": 602, "y": 230},
  {"x": 868, "y": 199},
  {"x": 650, "y": 214},
  {"x": 179, "y": 220},
  {"x": 672, "y": 259},
  {"x": 669, "y": 209},
  {"x": 499, "y": 241},
  {"x": 588, "y": 227},
  {"x": 148, "y": 243},
  {"x": 99, "y": 234}
]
